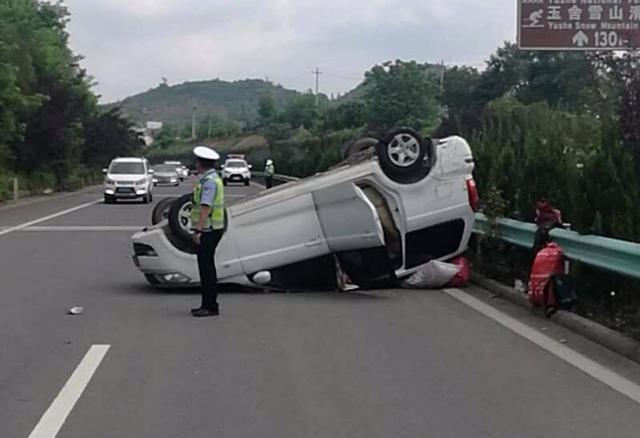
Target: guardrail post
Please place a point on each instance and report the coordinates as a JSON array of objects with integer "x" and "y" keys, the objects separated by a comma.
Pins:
[{"x": 15, "y": 189}]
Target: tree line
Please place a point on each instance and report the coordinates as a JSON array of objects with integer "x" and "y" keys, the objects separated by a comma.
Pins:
[
  {"x": 558, "y": 125},
  {"x": 52, "y": 131}
]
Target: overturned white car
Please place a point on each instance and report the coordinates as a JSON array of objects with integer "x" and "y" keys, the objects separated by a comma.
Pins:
[{"x": 393, "y": 205}]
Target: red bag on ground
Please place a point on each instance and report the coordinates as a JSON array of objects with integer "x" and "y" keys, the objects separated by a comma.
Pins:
[
  {"x": 548, "y": 263},
  {"x": 464, "y": 275}
]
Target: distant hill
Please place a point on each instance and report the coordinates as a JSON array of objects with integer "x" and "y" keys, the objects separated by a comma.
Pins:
[{"x": 236, "y": 101}]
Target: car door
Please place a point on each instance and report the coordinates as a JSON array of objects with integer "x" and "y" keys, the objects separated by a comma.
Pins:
[
  {"x": 275, "y": 231},
  {"x": 348, "y": 218}
]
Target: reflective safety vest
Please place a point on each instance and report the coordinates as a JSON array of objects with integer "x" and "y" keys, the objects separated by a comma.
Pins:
[
  {"x": 215, "y": 221},
  {"x": 270, "y": 169}
]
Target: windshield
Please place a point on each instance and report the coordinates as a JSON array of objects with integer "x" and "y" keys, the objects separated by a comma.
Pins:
[
  {"x": 165, "y": 168},
  {"x": 126, "y": 168},
  {"x": 235, "y": 164}
]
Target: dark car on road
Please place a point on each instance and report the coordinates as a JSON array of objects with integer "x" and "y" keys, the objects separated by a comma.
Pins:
[{"x": 165, "y": 175}]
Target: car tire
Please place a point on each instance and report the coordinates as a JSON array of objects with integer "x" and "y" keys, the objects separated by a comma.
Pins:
[
  {"x": 246, "y": 182},
  {"x": 403, "y": 156},
  {"x": 180, "y": 217},
  {"x": 109, "y": 199},
  {"x": 150, "y": 196},
  {"x": 225, "y": 182},
  {"x": 161, "y": 210},
  {"x": 145, "y": 199}
]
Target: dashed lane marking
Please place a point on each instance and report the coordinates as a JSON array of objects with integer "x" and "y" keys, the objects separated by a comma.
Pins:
[{"x": 54, "y": 418}]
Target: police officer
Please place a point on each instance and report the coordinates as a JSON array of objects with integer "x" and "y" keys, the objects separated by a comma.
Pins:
[
  {"x": 269, "y": 170},
  {"x": 207, "y": 221}
]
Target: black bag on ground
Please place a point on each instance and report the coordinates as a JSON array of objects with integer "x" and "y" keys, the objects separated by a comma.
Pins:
[{"x": 565, "y": 290}]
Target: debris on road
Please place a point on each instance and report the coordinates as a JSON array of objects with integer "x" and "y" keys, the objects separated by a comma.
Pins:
[
  {"x": 433, "y": 275},
  {"x": 76, "y": 311}
]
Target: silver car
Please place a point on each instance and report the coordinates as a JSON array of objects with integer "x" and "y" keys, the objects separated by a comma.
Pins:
[
  {"x": 393, "y": 205},
  {"x": 165, "y": 175}
]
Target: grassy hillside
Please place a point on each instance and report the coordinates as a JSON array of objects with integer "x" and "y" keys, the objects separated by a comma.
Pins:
[{"x": 237, "y": 101}]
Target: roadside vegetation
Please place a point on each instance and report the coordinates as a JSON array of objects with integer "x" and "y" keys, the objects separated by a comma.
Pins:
[{"x": 53, "y": 135}]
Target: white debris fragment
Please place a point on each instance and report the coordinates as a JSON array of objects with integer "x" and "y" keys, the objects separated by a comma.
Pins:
[{"x": 75, "y": 311}]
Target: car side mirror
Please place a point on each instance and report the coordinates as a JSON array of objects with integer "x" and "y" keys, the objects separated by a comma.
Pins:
[
  {"x": 104, "y": 171},
  {"x": 151, "y": 171},
  {"x": 222, "y": 167},
  {"x": 250, "y": 166}
]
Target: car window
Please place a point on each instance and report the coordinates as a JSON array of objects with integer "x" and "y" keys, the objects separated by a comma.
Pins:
[
  {"x": 235, "y": 164},
  {"x": 164, "y": 168},
  {"x": 122, "y": 168}
]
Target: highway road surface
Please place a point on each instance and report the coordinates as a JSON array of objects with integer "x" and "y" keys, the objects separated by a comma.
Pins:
[{"x": 371, "y": 364}]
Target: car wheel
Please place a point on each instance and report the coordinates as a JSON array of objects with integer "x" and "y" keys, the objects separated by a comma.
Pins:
[
  {"x": 108, "y": 199},
  {"x": 180, "y": 217},
  {"x": 246, "y": 182},
  {"x": 145, "y": 199},
  {"x": 161, "y": 210},
  {"x": 224, "y": 182},
  {"x": 150, "y": 196},
  {"x": 403, "y": 156}
]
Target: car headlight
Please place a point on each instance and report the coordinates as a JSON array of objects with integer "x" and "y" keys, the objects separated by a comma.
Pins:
[
  {"x": 109, "y": 181},
  {"x": 141, "y": 181}
]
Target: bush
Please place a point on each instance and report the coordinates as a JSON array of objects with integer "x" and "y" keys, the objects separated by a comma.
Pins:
[
  {"x": 529, "y": 152},
  {"x": 307, "y": 157},
  {"x": 6, "y": 186},
  {"x": 80, "y": 177},
  {"x": 38, "y": 181}
]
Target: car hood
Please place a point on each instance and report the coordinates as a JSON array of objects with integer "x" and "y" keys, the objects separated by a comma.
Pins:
[
  {"x": 236, "y": 169},
  {"x": 126, "y": 176}
]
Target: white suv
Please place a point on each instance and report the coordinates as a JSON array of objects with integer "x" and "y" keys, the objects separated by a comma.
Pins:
[
  {"x": 395, "y": 203},
  {"x": 128, "y": 178},
  {"x": 236, "y": 170}
]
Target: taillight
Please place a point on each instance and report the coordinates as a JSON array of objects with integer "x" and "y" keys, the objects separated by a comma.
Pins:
[{"x": 474, "y": 197}]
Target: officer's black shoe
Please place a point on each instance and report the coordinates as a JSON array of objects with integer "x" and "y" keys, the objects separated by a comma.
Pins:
[
  {"x": 196, "y": 310},
  {"x": 203, "y": 313}
]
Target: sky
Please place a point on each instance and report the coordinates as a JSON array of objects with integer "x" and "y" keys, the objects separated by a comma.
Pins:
[{"x": 130, "y": 45}]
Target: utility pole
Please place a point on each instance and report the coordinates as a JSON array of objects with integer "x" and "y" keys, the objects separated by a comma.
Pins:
[
  {"x": 317, "y": 73},
  {"x": 193, "y": 120}
]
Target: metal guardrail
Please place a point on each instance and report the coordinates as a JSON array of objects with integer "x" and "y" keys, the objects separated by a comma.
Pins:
[
  {"x": 619, "y": 256},
  {"x": 282, "y": 179}
]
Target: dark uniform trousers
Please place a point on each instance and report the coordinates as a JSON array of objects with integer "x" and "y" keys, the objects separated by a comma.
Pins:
[{"x": 206, "y": 265}]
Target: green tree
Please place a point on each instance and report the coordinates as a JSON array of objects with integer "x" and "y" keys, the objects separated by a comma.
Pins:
[
  {"x": 301, "y": 111},
  {"x": 109, "y": 135},
  {"x": 267, "y": 111},
  {"x": 401, "y": 93}
]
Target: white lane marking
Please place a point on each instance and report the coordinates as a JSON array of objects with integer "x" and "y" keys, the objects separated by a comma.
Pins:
[
  {"x": 46, "y": 218},
  {"x": 597, "y": 371},
  {"x": 54, "y": 418},
  {"x": 81, "y": 228}
]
